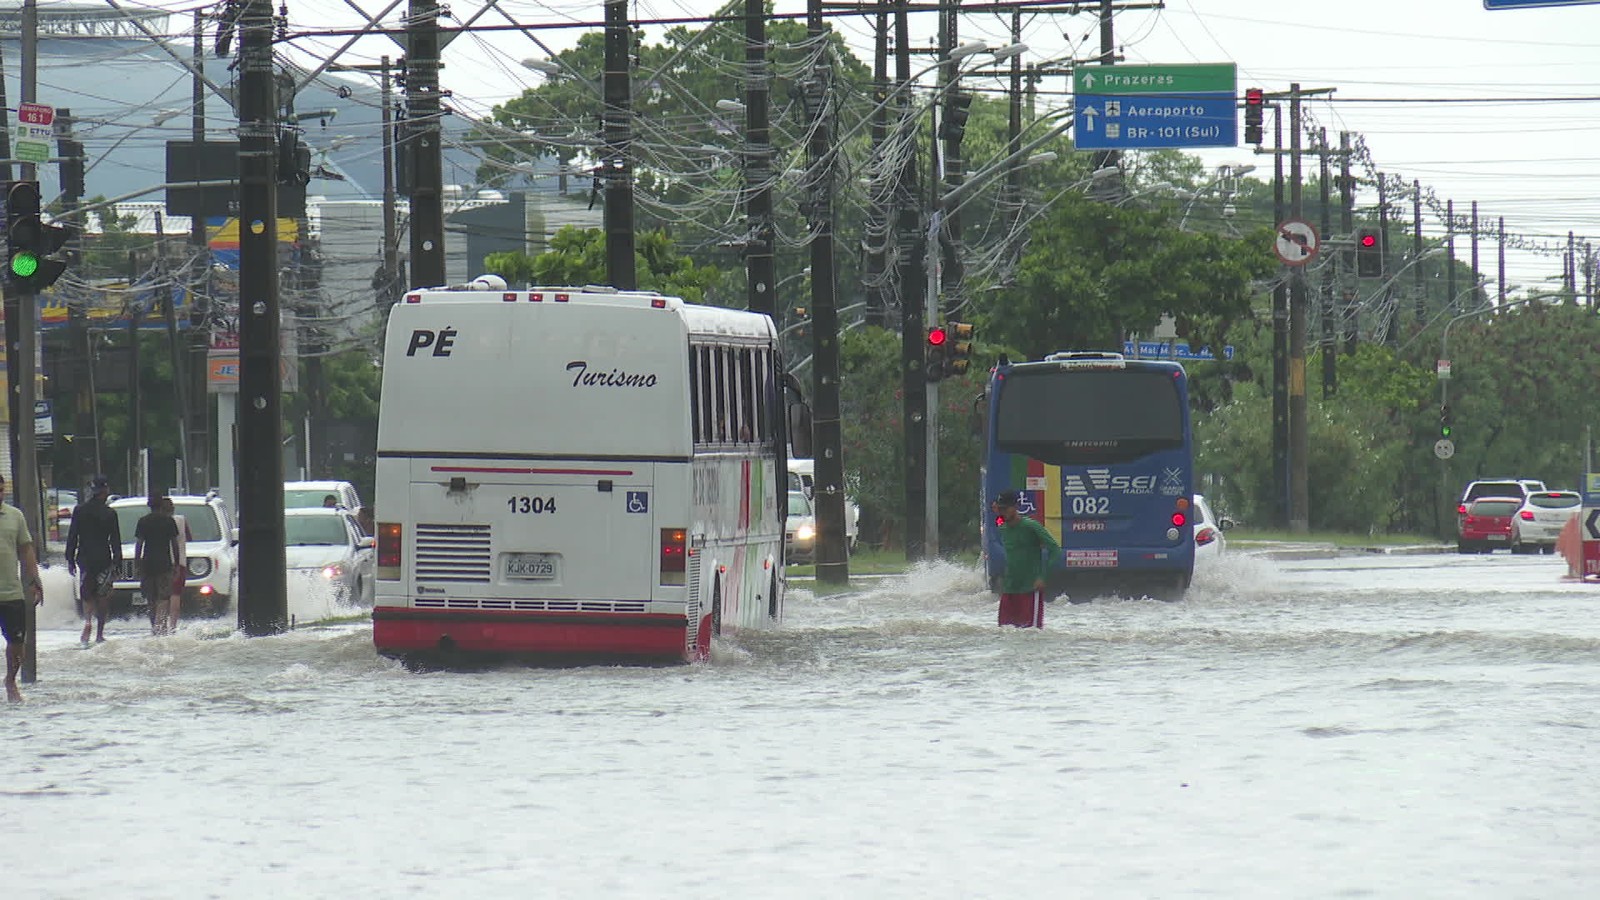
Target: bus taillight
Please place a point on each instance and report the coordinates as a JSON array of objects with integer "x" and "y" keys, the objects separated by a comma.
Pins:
[
  {"x": 388, "y": 563},
  {"x": 1178, "y": 519},
  {"x": 674, "y": 555}
]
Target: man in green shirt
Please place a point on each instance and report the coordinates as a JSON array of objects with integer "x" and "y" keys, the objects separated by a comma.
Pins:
[
  {"x": 19, "y": 584},
  {"x": 1030, "y": 552}
]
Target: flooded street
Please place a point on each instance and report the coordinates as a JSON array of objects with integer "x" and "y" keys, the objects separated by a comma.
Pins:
[{"x": 1418, "y": 726}]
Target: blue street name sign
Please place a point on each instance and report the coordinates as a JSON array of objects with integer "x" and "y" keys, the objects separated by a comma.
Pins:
[
  {"x": 1164, "y": 350},
  {"x": 1130, "y": 122},
  {"x": 1528, "y": 4}
]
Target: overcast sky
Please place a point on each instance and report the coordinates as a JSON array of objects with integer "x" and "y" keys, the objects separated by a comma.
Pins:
[{"x": 1476, "y": 118}]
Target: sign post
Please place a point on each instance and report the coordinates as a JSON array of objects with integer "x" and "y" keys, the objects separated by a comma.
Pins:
[
  {"x": 1148, "y": 107},
  {"x": 1589, "y": 525}
]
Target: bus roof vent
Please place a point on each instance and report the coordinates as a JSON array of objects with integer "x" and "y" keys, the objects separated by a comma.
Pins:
[{"x": 1087, "y": 360}]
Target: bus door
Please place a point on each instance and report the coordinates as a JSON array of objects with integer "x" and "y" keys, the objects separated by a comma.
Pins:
[{"x": 581, "y": 532}]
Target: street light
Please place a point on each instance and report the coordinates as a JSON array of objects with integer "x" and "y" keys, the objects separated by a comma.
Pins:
[
  {"x": 543, "y": 66},
  {"x": 1226, "y": 172}
]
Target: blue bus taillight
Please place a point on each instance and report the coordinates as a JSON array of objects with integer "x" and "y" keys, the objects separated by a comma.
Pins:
[
  {"x": 674, "y": 555},
  {"x": 1178, "y": 519},
  {"x": 388, "y": 562}
]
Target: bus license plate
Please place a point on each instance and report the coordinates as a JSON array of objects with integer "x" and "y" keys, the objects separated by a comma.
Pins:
[{"x": 532, "y": 566}]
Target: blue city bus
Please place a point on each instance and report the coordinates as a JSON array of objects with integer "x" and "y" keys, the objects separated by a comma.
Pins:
[{"x": 1101, "y": 450}]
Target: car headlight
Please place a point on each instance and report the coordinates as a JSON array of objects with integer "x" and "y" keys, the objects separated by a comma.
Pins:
[
  {"x": 805, "y": 533},
  {"x": 332, "y": 572},
  {"x": 199, "y": 566}
]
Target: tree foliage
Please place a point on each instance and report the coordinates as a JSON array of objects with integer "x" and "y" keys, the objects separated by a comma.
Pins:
[{"x": 578, "y": 256}]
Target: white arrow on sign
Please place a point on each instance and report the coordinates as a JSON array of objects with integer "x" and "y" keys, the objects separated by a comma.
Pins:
[
  {"x": 1088, "y": 80},
  {"x": 1089, "y": 113},
  {"x": 1593, "y": 528}
]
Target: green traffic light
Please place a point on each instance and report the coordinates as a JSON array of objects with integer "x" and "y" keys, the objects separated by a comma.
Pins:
[
  {"x": 1444, "y": 430},
  {"x": 24, "y": 264}
]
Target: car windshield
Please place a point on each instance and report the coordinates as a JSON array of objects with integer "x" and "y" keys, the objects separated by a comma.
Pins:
[
  {"x": 202, "y": 521},
  {"x": 1555, "y": 501},
  {"x": 1495, "y": 507},
  {"x": 304, "y": 499},
  {"x": 302, "y": 531},
  {"x": 798, "y": 505}
]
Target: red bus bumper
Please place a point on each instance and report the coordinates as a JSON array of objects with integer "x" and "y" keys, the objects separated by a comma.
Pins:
[{"x": 403, "y": 631}]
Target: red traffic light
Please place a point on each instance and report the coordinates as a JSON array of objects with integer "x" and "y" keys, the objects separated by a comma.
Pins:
[
  {"x": 1369, "y": 240},
  {"x": 1254, "y": 97},
  {"x": 937, "y": 336}
]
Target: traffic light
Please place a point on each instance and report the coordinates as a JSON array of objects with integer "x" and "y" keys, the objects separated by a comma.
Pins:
[
  {"x": 30, "y": 242},
  {"x": 956, "y": 109},
  {"x": 1369, "y": 252},
  {"x": 959, "y": 354},
  {"x": 1444, "y": 421},
  {"x": 936, "y": 353},
  {"x": 1255, "y": 100}
]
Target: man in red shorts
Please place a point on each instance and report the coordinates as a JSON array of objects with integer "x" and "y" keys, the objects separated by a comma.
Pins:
[{"x": 1030, "y": 550}]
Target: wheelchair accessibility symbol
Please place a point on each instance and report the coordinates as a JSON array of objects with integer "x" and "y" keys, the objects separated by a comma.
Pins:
[{"x": 638, "y": 501}]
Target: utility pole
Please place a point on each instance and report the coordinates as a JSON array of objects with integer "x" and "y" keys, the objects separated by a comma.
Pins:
[
  {"x": 616, "y": 169},
  {"x": 912, "y": 247},
  {"x": 1450, "y": 260},
  {"x": 1474, "y": 247},
  {"x": 1416, "y": 253},
  {"x": 1347, "y": 201},
  {"x": 1391, "y": 318},
  {"x": 263, "y": 605},
  {"x": 86, "y": 427},
  {"x": 199, "y": 455},
  {"x": 1299, "y": 445},
  {"x": 180, "y": 394},
  {"x": 1013, "y": 194},
  {"x": 878, "y": 231},
  {"x": 760, "y": 262},
  {"x": 1280, "y": 339},
  {"x": 1330, "y": 337},
  {"x": 423, "y": 137},
  {"x": 1501, "y": 252},
  {"x": 937, "y": 256},
  {"x": 833, "y": 559},
  {"x": 138, "y": 478},
  {"x": 391, "y": 242},
  {"x": 1108, "y": 56}
]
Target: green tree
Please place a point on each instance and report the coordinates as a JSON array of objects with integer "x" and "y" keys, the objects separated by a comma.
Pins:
[{"x": 578, "y": 256}]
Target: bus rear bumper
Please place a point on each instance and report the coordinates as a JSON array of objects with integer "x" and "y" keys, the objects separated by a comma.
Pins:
[{"x": 404, "y": 632}]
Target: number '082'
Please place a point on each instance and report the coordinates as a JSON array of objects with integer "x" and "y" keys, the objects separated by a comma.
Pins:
[{"x": 531, "y": 505}]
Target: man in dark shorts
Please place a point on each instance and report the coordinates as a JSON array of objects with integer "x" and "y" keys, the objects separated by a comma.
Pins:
[
  {"x": 94, "y": 553},
  {"x": 155, "y": 555},
  {"x": 19, "y": 583}
]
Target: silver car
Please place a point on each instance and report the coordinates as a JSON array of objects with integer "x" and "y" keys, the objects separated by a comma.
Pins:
[{"x": 1539, "y": 521}]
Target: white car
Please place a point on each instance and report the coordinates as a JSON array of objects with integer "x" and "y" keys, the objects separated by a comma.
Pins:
[
  {"x": 800, "y": 530},
  {"x": 300, "y": 494},
  {"x": 1208, "y": 539},
  {"x": 1538, "y": 523},
  {"x": 801, "y": 473},
  {"x": 327, "y": 544},
  {"x": 212, "y": 547}
]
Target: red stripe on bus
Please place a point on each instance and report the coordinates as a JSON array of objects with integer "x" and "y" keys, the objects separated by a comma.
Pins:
[
  {"x": 398, "y": 631},
  {"x": 500, "y": 470}
]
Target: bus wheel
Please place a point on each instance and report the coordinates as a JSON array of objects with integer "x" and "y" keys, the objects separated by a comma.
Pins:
[
  {"x": 774, "y": 609},
  {"x": 716, "y": 608}
]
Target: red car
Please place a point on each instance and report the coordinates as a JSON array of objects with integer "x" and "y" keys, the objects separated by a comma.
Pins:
[{"x": 1486, "y": 524}]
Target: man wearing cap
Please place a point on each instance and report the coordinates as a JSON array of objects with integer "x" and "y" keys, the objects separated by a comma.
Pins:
[
  {"x": 1030, "y": 549},
  {"x": 19, "y": 586},
  {"x": 94, "y": 553}
]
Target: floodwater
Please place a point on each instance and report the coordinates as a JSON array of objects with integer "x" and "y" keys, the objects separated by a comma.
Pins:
[{"x": 1385, "y": 726}]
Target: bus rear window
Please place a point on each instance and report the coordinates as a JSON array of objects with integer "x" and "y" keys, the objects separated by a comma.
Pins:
[{"x": 1089, "y": 416}]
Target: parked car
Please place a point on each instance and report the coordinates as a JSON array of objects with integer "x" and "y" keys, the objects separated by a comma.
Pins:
[
  {"x": 58, "y": 506},
  {"x": 1486, "y": 524},
  {"x": 801, "y": 478},
  {"x": 1540, "y": 520},
  {"x": 327, "y": 544},
  {"x": 301, "y": 494},
  {"x": 1208, "y": 540},
  {"x": 213, "y": 554},
  {"x": 800, "y": 529}
]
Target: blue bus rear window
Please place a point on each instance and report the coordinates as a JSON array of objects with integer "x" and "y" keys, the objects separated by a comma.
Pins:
[{"x": 1061, "y": 417}]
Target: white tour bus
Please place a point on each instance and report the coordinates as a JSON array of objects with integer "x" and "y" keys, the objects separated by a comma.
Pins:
[{"x": 578, "y": 472}]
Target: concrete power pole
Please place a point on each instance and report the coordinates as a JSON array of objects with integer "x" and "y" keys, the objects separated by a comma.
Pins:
[
  {"x": 912, "y": 280},
  {"x": 423, "y": 138},
  {"x": 263, "y": 605},
  {"x": 760, "y": 263},
  {"x": 617, "y": 134},
  {"x": 833, "y": 560},
  {"x": 1299, "y": 444}
]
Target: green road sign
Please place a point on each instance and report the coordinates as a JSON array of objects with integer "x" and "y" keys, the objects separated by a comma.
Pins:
[{"x": 1202, "y": 78}]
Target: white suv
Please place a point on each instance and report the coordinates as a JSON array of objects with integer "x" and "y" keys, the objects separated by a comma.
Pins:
[{"x": 213, "y": 551}]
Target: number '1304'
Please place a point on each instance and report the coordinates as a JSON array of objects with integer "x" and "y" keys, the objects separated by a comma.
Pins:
[{"x": 531, "y": 505}]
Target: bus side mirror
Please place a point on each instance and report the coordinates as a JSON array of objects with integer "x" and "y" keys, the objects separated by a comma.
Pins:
[{"x": 799, "y": 429}]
